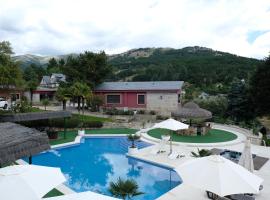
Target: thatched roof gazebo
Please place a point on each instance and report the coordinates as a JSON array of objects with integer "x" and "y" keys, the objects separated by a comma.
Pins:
[
  {"x": 18, "y": 141},
  {"x": 192, "y": 111}
]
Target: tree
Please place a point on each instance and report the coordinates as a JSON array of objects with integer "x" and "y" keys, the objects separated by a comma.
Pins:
[
  {"x": 53, "y": 66},
  {"x": 239, "y": 104},
  {"x": 260, "y": 88},
  {"x": 63, "y": 94},
  {"x": 32, "y": 75},
  {"x": 125, "y": 189},
  {"x": 10, "y": 73},
  {"x": 45, "y": 103},
  {"x": 95, "y": 102},
  {"x": 201, "y": 153},
  {"x": 82, "y": 92},
  {"x": 90, "y": 68}
]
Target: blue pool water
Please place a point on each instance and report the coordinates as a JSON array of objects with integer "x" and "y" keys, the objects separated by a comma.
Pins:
[{"x": 99, "y": 160}]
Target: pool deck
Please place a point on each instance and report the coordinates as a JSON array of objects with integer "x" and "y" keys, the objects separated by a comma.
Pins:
[
  {"x": 187, "y": 192},
  {"x": 184, "y": 191}
]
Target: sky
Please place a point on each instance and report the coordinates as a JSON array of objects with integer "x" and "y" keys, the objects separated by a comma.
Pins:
[{"x": 55, "y": 27}]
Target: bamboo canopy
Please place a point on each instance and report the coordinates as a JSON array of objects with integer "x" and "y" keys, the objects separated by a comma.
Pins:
[
  {"x": 192, "y": 111},
  {"x": 19, "y": 117},
  {"x": 18, "y": 141}
]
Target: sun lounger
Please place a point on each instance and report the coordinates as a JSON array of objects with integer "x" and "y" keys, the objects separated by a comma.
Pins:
[
  {"x": 160, "y": 148},
  {"x": 175, "y": 155}
]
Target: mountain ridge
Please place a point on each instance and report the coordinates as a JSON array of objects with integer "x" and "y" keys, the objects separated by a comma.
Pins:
[{"x": 27, "y": 59}]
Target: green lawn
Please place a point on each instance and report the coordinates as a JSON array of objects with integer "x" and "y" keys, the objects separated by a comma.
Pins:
[
  {"x": 92, "y": 118},
  {"x": 53, "y": 193},
  {"x": 70, "y": 135},
  {"x": 212, "y": 136}
]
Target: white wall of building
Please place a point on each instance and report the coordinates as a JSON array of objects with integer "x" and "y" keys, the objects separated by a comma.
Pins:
[{"x": 162, "y": 102}]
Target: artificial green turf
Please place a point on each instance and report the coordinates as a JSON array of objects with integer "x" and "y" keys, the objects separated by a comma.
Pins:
[
  {"x": 71, "y": 135},
  {"x": 212, "y": 136},
  {"x": 111, "y": 131},
  {"x": 53, "y": 193}
]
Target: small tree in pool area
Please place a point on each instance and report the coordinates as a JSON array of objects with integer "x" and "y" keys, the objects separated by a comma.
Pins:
[
  {"x": 45, "y": 103},
  {"x": 125, "y": 189},
  {"x": 201, "y": 153},
  {"x": 133, "y": 138}
]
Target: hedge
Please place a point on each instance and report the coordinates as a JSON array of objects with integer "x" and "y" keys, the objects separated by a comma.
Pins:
[{"x": 59, "y": 123}]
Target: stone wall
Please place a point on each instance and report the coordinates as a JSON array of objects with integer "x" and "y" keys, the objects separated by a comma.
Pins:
[{"x": 163, "y": 103}]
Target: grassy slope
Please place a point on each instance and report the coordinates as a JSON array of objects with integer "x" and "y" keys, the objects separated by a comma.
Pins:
[{"x": 211, "y": 137}]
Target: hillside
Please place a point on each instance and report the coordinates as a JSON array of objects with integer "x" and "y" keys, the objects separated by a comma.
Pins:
[
  {"x": 28, "y": 59},
  {"x": 207, "y": 69},
  {"x": 204, "y": 67}
]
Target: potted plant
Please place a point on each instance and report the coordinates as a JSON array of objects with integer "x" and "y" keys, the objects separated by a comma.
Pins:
[
  {"x": 133, "y": 149},
  {"x": 81, "y": 131},
  {"x": 52, "y": 134}
]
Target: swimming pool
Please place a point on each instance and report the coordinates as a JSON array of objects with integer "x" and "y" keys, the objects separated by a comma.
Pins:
[{"x": 99, "y": 160}]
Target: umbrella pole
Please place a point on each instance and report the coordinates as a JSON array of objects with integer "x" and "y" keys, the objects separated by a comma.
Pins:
[
  {"x": 171, "y": 143},
  {"x": 30, "y": 160}
]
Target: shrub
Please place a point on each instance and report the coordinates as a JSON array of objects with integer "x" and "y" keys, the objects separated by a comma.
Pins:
[
  {"x": 52, "y": 134},
  {"x": 93, "y": 124},
  {"x": 72, "y": 122},
  {"x": 152, "y": 112},
  {"x": 160, "y": 117},
  {"x": 142, "y": 112},
  {"x": 114, "y": 111}
]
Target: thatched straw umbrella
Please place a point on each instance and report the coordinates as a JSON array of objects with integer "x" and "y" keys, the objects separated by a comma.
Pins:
[
  {"x": 18, "y": 141},
  {"x": 192, "y": 111}
]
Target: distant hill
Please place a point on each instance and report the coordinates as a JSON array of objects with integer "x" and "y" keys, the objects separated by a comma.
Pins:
[
  {"x": 206, "y": 68},
  {"x": 27, "y": 59}
]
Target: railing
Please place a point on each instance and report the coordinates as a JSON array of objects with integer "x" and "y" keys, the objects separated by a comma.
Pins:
[{"x": 254, "y": 139}]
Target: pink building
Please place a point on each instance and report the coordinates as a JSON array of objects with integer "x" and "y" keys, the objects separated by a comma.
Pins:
[{"x": 161, "y": 96}]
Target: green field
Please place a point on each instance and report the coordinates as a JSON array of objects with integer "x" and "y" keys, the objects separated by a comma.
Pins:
[{"x": 212, "y": 136}]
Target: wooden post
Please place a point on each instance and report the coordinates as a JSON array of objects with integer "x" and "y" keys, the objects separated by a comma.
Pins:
[{"x": 65, "y": 128}]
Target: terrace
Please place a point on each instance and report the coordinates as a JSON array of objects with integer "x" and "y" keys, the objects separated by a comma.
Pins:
[{"x": 220, "y": 136}]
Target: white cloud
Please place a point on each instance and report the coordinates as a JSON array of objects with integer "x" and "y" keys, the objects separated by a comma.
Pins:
[{"x": 65, "y": 26}]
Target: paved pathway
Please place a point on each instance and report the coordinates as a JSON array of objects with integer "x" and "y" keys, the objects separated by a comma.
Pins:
[{"x": 186, "y": 192}]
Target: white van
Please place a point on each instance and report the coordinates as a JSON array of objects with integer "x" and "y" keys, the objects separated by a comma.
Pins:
[{"x": 3, "y": 103}]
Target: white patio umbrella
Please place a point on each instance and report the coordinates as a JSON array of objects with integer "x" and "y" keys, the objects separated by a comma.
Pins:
[
  {"x": 29, "y": 182},
  {"x": 173, "y": 125},
  {"x": 246, "y": 159},
  {"x": 219, "y": 175}
]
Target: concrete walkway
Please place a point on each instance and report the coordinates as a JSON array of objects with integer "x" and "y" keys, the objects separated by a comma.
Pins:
[{"x": 187, "y": 192}]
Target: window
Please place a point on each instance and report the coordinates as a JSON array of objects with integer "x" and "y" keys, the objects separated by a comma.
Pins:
[
  {"x": 15, "y": 97},
  {"x": 141, "y": 99},
  {"x": 113, "y": 98}
]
